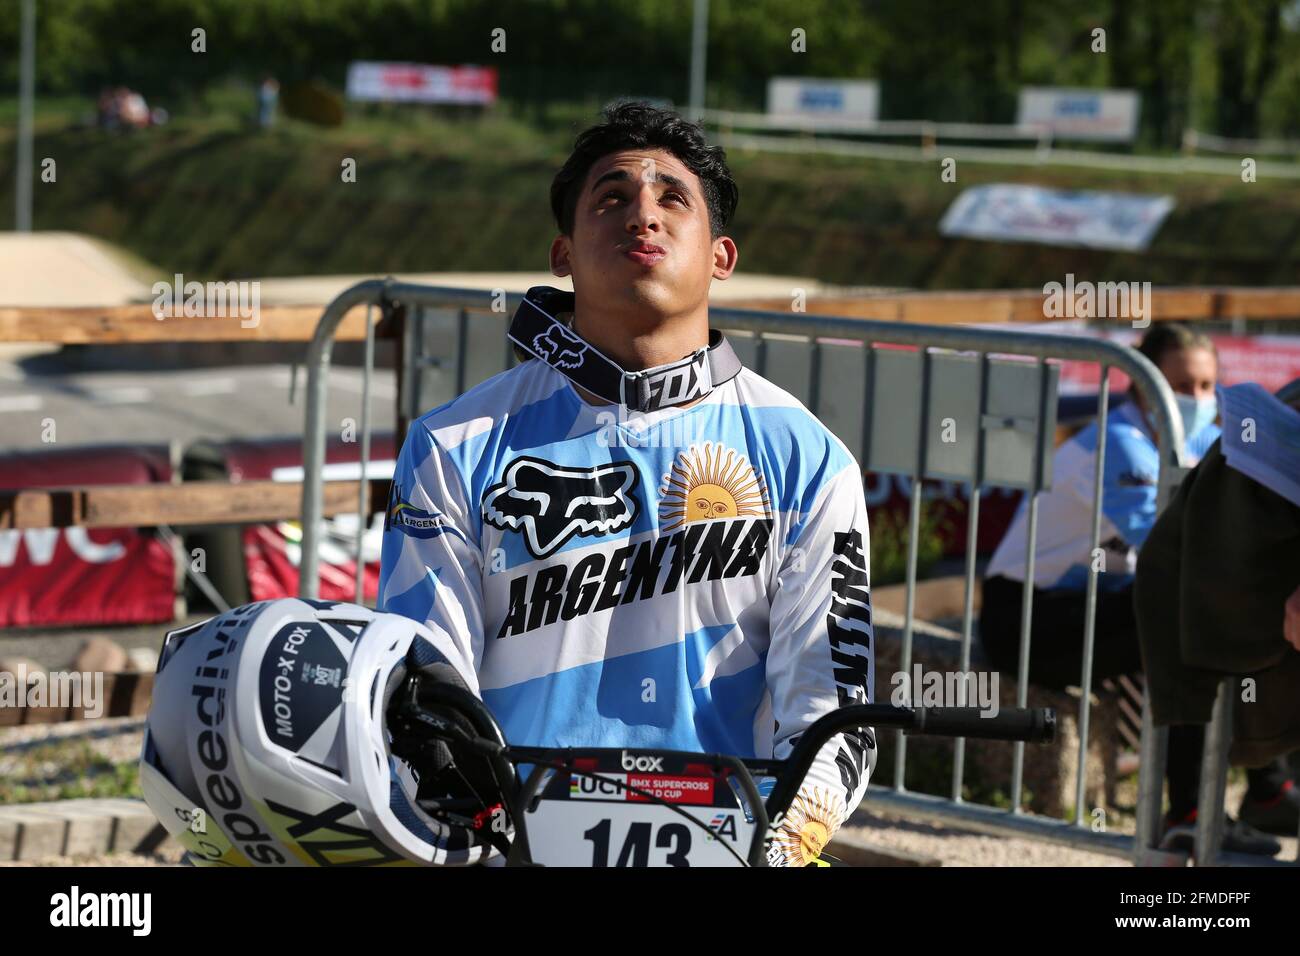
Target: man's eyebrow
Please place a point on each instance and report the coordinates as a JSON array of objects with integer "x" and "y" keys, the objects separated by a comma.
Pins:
[{"x": 622, "y": 175}]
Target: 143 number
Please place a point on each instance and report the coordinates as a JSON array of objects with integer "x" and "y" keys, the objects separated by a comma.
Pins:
[{"x": 675, "y": 837}]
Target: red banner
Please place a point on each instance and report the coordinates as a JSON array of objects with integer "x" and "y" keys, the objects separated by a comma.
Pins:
[
  {"x": 271, "y": 555},
  {"x": 1269, "y": 360},
  {"x": 59, "y": 577}
]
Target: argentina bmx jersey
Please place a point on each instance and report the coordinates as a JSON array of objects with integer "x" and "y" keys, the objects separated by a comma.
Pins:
[{"x": 691, "y": 578}]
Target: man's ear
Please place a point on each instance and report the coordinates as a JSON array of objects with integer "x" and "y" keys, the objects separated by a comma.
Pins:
[
  {"x": 560, "y": 265},
  {"x": 725, "y": 257}
]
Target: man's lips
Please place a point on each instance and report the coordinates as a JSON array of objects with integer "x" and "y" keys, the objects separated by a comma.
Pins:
[{"x": 645, "y": 253}]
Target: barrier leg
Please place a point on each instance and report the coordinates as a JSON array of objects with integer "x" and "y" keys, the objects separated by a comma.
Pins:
[{"x": 1214, "y": 778}]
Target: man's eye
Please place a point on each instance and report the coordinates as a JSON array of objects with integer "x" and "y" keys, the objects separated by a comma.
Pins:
[{"x": 678, "y": 196}]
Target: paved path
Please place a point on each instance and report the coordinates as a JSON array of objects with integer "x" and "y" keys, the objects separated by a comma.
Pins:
[{"x": 161, "y": 405}]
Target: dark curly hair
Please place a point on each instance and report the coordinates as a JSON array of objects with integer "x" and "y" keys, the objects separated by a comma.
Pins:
[{"x": 632, "y": 125}]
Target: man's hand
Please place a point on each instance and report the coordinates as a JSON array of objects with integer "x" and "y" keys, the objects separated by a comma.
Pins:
[{"x": 1291, "y": 619}]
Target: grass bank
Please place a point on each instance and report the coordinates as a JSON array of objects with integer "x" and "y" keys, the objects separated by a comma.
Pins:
[{"x": 211, "y": 197}]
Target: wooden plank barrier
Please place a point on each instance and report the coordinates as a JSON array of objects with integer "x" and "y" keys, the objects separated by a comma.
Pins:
[{"x": 189, "y": 503}]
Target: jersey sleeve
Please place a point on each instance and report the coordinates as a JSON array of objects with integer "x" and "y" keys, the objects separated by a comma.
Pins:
[
  {"x": 1129, "y": 487},
  {"x": 822, "y": 657},
  {"x": 431, "y": 565}
]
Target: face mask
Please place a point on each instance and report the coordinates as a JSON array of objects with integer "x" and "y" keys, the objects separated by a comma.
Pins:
[{"x": 1196, "y": 414}]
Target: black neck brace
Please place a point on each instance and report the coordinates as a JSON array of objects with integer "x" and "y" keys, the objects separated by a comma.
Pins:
[{"x": 538, "y": 332}]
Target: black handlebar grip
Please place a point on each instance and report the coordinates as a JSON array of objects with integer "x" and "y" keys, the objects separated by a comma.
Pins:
[{"x": 1028, "y": 723}]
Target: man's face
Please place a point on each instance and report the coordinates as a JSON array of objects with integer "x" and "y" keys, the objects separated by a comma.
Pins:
[{"x": 641, "y": 237}]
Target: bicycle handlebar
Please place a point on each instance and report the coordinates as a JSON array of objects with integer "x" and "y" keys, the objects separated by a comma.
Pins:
[
  {"x": 487, "y": 739},
  {"x": 1028, "y": 724}
]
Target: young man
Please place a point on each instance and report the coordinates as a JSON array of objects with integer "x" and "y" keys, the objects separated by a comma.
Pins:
[{"x": 629, "y": 539}]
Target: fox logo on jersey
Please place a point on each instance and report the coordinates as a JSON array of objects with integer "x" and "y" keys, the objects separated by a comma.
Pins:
[
  {"x": 551, "y": 503},
  {"x": 559, "y": 347}
]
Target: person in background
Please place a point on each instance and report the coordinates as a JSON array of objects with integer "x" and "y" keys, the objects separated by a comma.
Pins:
[
  {"x": 1063, "y": 556},
  {"x": 1215, "y": 598},
  {"x": 268, "y": 94},
  {"x": 133, "y": 109},
  {"x": 106, "y": 109}
]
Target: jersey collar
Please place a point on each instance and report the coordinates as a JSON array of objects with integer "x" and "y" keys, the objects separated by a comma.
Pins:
[{"x": 537, "y": 331}]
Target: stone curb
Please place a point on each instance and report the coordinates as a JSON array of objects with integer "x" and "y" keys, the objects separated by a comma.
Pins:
[{"x": 84, "y": 827}]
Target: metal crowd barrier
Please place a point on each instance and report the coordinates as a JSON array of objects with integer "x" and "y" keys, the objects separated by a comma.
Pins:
[{"x": 890, "y": 405}]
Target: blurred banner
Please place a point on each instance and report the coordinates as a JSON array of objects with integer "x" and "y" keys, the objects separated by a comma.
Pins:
[
  {"x": 1270, "y": 361},
  {"x": 838, "y": 99},
  {"x": 1099, "y": 115},
  {"x": 1267, "y": 360},
  {"x": 420, "y": 83},
  {"x": 1095, "y": 220}
]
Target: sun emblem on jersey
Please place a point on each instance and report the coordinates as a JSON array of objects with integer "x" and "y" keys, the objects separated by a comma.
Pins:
[
  {"x": 710, "y": 482},
  {"x": 808, "y": 826}
]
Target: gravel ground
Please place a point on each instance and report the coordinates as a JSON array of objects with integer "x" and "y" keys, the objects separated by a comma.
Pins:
[
  {"x": 106, "y": 738},
  {"x": 956, "y": 847}
]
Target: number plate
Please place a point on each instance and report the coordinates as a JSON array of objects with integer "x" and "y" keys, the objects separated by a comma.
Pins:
[{"x": 595, "y": 821}]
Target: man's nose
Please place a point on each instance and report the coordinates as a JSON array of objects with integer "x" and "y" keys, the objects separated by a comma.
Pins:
[{"x": 643, "y": 212}]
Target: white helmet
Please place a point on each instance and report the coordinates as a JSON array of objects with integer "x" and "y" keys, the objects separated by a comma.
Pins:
[{"x": 266, "y": 742}]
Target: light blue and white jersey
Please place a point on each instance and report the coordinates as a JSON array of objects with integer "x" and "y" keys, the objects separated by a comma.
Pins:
[
  {"x": 1128, "y": 506},
  {"x": 694, "y": 578}
]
